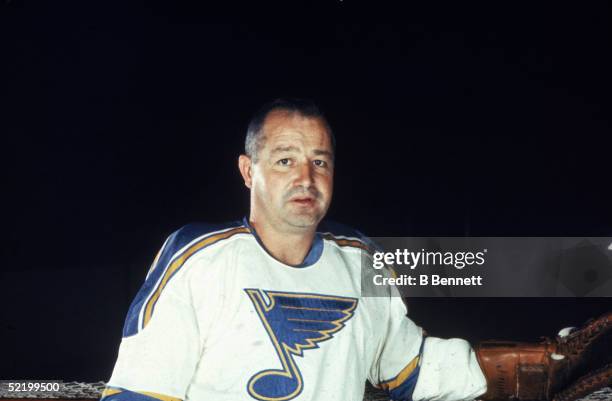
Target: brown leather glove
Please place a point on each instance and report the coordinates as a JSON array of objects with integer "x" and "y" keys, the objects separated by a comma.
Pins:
[
  {"x": 597, "y": 380},
  {"x": 538, "y": 371}
]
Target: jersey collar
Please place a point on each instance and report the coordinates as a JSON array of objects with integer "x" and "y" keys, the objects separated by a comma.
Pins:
[{"x": 313, "y": 256}]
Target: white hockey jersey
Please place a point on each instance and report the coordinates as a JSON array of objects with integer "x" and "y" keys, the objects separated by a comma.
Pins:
[{"x": 218, "y": 318}]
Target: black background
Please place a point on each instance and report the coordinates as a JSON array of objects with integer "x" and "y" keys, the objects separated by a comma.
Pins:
[{"x": 122, "y": 122}]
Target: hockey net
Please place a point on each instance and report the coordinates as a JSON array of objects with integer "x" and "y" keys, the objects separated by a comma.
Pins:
[{"x": 92, "y": 391}]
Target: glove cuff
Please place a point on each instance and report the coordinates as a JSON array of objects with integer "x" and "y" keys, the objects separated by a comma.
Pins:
[{"x": 519, "y": 371}]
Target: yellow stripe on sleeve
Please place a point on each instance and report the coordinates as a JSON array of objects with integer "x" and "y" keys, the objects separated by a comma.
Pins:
[
  {"x": 161, "y": 397},
  {"x": 401, "y": 376},
  {"x": 110, "y": 391}
]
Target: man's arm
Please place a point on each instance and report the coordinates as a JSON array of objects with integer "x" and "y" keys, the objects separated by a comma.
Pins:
[
  {"x": 163, "y": 335},
  {"x": 412, "y": 367}
]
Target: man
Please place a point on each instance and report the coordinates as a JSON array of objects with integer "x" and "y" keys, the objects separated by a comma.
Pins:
[{"x": 270, "y": 308}]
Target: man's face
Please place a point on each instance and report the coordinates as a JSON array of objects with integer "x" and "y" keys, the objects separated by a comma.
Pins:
[{"x": 292, "y": 181}]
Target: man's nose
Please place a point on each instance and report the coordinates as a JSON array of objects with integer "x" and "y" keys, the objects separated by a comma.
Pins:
[{"x": 304, "y": 175}]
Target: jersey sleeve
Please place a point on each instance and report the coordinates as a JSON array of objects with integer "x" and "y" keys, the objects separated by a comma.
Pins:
[
  {"x": 395, "y": 368},
  {"x": 159, "y": 361},
  {"x": 449, "y": 371},
  {"x": 412, "y": 367},
  {"x": 162, "y": 336}
]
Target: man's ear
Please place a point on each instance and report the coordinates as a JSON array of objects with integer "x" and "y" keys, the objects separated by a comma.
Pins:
[{"x": 245, "y": 165}]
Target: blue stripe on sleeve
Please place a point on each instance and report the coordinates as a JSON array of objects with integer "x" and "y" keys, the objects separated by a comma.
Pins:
[
  {"x": 126, "y": 395},
  {"x": 404, "y": 391}
]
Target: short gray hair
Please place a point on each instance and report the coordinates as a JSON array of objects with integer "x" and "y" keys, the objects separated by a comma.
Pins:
[{"x": 306, "y": 108}]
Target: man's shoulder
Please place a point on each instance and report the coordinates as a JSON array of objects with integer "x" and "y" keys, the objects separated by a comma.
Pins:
[
  {"x": 201, "y": 235},
  {"x": 343, "y": 235}
]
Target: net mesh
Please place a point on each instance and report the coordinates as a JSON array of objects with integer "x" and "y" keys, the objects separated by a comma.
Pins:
[
  {"x": 605, "y": 394},
  {"x": 67, "y": 390},
  {"x": 78, "y": 390}
]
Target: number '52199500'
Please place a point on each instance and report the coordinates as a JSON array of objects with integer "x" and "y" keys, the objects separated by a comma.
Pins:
[{"x": 32, "y": 386}]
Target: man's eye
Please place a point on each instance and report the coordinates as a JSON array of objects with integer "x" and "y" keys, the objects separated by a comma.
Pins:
[
  {"x": 284, "y": 162},
  {"x": 320, "y": 163}
]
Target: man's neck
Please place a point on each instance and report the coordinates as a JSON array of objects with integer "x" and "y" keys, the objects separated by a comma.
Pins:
[{"x": 288, "y": 247}]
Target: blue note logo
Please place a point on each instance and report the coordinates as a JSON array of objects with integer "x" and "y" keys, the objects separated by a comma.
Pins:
[{"x": 295, "y": 322}]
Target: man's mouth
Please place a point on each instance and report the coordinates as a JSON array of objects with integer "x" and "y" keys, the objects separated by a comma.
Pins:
[{"x": 303, "y": 200}]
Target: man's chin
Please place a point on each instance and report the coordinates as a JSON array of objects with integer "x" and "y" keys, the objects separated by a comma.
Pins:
[{"x": 304, "y": 221}]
